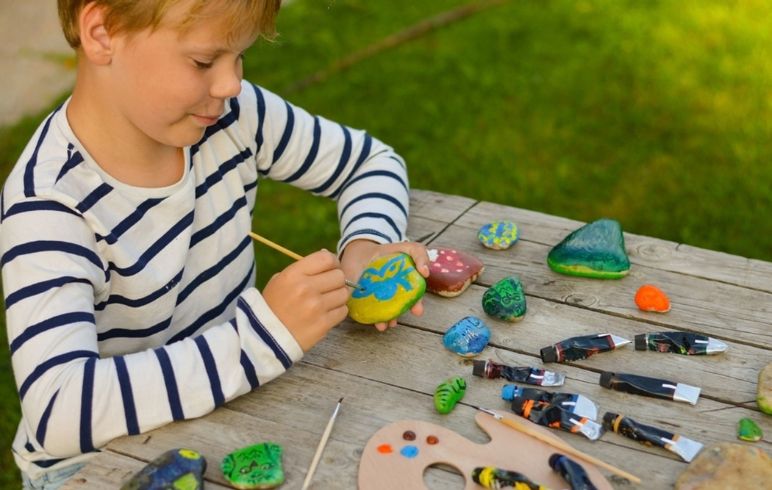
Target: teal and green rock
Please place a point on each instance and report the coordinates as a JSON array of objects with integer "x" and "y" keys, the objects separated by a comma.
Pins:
[
  {"x": 596, "y": 250},
  {"x": 764, "y": 390},
  {"x": 505, "y": 300},
  {"x": 748, "y": 430},
  {"x": 448, "y": 393},
  {"x": 257, "y": 466},
  {"x": 176, "y": 469}
]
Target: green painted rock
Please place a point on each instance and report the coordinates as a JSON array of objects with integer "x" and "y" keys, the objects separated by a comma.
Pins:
[
  {"x": 448, "y": 393},
  {"x": 764, "y": 394},
  {"x": 499, "y": 235},
  {"x": 390, "y": 285},
  {"x": 176, "y": 469},
  {"x": 257, "y": 466},
  {"x": 595, "y": 250},
  {"x": 748, "y": 430},
  {"x": 505, "y": 300}
]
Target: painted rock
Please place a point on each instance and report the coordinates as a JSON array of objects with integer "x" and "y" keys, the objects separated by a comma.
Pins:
[
  {"x": 505, "y": 300},
  {"x": 748, "y": 430},
  {"x": 651, "y": 298},
  {"x": 257, "y": 466},
  {"x": 727, "y": 465},
  {"x": 595, "y": 250},
  {"x": 448, "y": 393},
  {"x": 451, "y": 271},
  {"x": 176, "y": 468},
  {"x": 764, "y": 387},
  {"x": 499, "y": 235},
  {"x": 467, "y": 337},
  {"x": 391, "y": 285}
]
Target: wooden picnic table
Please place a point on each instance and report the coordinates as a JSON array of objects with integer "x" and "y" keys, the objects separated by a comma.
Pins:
[{"x": 392, "y": 376}]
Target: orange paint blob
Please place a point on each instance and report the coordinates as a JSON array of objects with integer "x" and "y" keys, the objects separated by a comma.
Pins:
[
  {"x": 385, "y": 449},
  {"x": 651, "y": 298},
  {"x": 432, "y": 440}
]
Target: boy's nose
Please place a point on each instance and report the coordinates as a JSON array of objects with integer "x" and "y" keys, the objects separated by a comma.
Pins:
[{"x": 227, "y": 84}]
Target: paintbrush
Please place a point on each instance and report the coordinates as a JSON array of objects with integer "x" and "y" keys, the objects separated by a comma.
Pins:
[
  {"x": 320, "y": 448},
  {"x": 291, "y": 254},
  {"x": 557, "y": 443}
]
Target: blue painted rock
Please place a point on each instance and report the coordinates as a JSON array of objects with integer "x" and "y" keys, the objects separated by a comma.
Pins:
[
  {"x": 390, "y": 285},
  {"x": 257, "y": 466},
  {"x": 451, "y": 272},
  {"x": 505, "y": 300},
  {"x": 448, "y": 393},
  {"x": 467, "y": 337},
  {"x": 499, "y": 235},
  {"x": 176, "y": 468},
  {"x": 595, "y": 250}
]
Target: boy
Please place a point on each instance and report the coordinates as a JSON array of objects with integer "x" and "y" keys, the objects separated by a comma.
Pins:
[{"x": 126, "y": 263}]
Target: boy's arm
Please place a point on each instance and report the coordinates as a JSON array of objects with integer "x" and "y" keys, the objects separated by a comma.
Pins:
[{"x": 73, "y": 399}]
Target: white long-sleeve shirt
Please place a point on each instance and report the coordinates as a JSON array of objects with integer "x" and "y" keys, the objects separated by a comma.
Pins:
[{"x": 128, "y": 307}]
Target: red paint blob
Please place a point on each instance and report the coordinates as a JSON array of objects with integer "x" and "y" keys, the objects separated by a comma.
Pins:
[
  {"x": 385, "y": 449},
  {"x": 432, "y": 440}
]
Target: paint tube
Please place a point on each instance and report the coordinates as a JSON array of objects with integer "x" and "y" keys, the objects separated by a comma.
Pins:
[
  {"x": 653, "y": 387},
  {"x": 651, "y": 436},
  {"x": 571, "y": 402},
  {"x": 529, "y": 375},
  {"x": 556, "y": 417},
  {"x": 685, "y": 343},
  {"x": 577, "y": 348},
  {"x": 572, "y": 472},
  {"x": 491, "y": 477}
]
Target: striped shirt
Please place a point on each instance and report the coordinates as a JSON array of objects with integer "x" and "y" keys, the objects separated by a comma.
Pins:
[{"x": 127, "y": 307}]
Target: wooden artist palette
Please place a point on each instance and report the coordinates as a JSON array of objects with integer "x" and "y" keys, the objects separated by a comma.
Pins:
[{"x": 391, "y": 460}]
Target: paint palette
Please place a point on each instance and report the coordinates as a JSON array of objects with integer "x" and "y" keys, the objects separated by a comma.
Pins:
[{"x": 398, "y": 455}]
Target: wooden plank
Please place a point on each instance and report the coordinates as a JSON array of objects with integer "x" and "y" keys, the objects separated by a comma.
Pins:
[
  {"x": 642, "y": 250},
  {"x": 714, "y": 308},
  {"x": 435, "y": 206}
]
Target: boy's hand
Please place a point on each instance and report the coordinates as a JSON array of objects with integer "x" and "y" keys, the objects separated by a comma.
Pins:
[
  {"x": 309, "y": 297},
  {"x": 359, "y": 253}
]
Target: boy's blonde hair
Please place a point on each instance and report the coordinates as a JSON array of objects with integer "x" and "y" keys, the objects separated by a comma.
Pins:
[{"x": 255, "y": 16}]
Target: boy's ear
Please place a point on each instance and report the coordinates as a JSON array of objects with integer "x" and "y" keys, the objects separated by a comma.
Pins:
[{"x": 95, "y": 40}]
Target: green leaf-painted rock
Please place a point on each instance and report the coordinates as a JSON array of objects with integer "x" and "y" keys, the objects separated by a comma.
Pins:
[
  {"x": 257, "y": 466},
  {"x": 505, "y": 300},
  {"x": 448, "y": 393},
  {"x": 748, "y": 430},
  {"x": 595, "y": 250}
]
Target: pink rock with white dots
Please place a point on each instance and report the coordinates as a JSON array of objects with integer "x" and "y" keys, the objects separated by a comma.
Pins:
[{"x": 451, "y": 271}]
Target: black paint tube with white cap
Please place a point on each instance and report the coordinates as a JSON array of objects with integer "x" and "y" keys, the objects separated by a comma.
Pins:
[
  {"x": 653, "y": 387},
  {"x": 577, "y": 348},
  {"x": 518, "y": 374},
  {"x": 687, "y": 449}
]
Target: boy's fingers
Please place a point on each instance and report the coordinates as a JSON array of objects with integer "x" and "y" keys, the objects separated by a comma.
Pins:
[
  {"x": 317, "y": 262},
  {"x": 327, "y": 281},
  {"x": 417, "y": 309},
  {"x": 335, "y": 299}
]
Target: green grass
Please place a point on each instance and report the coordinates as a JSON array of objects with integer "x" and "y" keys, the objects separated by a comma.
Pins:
[{"x": 655, "y": 113}]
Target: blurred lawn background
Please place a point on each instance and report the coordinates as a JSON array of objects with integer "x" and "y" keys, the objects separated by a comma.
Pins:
[{"x": 657, "y": 114}]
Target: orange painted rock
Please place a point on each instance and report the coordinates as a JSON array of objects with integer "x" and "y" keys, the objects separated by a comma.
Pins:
[{"x": 651, "y": 298}]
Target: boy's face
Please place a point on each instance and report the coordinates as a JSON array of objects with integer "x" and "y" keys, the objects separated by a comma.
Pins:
[{"x": 169, "y": 85}]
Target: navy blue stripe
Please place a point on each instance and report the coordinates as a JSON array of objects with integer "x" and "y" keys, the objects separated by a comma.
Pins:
[
  {"x": 213, "y": 313},
  {"x": 117, "y": 299},
  {"x": 260, "y": 117},
  {"x": 131, "y": 220},
  {"x": 41, "y": 369},
  {"x": 40, "y": 433},
  {"x": 398, "y": 160},
  {"x": 366, "y": 232},
  {"x": 223, "y": 169},
  {"x": 29, "y": 447},
  {"x": 156, "y": 248},
  {"x": 382, "y": 216},
  {"x": 341, "y": 162},
  {"x": 134, "y": 333},
  {"x": 312, "y": 152},
  {"x": 264, "y": 334},
  {"x": 26, "y": 206},
  {"x": 50, "y": 246},
  {"x": 129, "y": 410},
  {"x": 171, "y": 384},
  {"x": 47, "y": 463},
  {"x": 220, "y": 125},
  {"x": 29, "y": 169},
  {"x": 249, "y": 370},
  {"x": 362, "y": 157},
  {"x": 214, "y": 270},
  {"x": 375, "y": 195},
  {"x": 211, "y": 370},
  {"x": 86, "y": 408},
  {"x": 219, "y": 222},
  {"x": 72, "y": 161},
  {"x": 366, "y": 175},
  {"x": 41, "y": 287},
  {"x": 284, "y": 141},
  {"x": 51, "y": 323},
  {"x": 94, "y": 197}
]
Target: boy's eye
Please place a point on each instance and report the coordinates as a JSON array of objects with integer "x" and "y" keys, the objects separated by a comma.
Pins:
[{"x": 202, "y": 64}]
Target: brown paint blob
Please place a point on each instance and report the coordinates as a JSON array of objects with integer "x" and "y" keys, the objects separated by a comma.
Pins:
[
  {"x": 432, "y": 440},
  {"x": 385, "y": 449},
  {"x": 409, "y": 435}
]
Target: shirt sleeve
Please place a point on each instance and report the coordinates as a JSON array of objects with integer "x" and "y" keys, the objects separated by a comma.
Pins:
[
  {"x": 366, "y": 177},
  {"x": 72, "y": 399}
]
